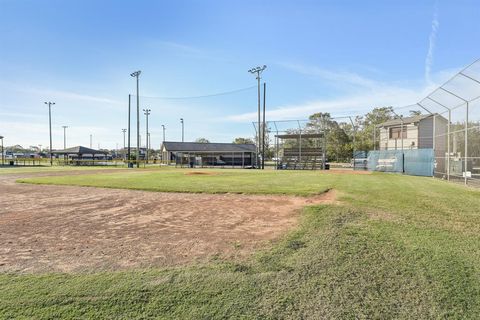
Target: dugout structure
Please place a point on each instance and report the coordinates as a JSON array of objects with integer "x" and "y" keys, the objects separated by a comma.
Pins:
[
  {"x": 201, "y": 155},
  {"x": 300, "y": 144},
  {"x": 301, "y": 151}
]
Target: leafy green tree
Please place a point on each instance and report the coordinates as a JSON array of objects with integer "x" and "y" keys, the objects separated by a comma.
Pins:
[
  {"x": 367, "y": 124},
  {"x": 241, "y": 140},
  {"x": 202, "y": 140}
]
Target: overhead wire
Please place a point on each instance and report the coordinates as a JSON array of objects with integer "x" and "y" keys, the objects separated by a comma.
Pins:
[{"x": 200, "y": 96}]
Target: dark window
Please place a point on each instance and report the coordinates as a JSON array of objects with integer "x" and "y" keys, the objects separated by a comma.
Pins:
[{"x": 395, "y": 132}]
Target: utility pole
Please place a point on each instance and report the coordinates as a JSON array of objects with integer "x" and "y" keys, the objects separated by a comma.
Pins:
[
  {"x": 258, "y": 71},
  {"x": 128, "y": 150},
  {"x": 163, "y": 127},
  {"x": 124, "y": 131},
  {"x": 50, "y": 128},
  {"x": 3, "y": 157},
  {"x": 136, "y": 74},
  {"x": 146, "y": 112},
  {"x": 264, "y": 126},
  {"x": 183, "y": 129},
  {"x": 64, "y": 137}
]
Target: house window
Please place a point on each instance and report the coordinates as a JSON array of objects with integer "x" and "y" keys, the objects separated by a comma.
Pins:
[{"x": 396, "y": 133}]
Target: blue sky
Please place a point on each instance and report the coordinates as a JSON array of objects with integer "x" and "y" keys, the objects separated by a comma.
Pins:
[{"x": 342, "y": 57}]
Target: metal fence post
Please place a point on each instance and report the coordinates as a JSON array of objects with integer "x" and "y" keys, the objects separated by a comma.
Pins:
[
  {"x": 434, "y": 133},
  {"x": 466, "y": 145}
]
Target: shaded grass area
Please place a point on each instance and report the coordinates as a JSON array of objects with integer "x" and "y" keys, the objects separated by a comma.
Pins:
[{"x": 398, "y": 247}]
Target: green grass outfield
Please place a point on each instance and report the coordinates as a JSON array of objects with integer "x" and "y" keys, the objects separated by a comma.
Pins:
[
  {"x": 397, "y": 247},
  {"x": 46, "y": 168}
]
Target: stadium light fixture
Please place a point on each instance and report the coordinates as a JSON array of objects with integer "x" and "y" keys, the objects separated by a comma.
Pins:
[
  {"x": 258, "y": 71},
  {"x": 136, "y": 74}
]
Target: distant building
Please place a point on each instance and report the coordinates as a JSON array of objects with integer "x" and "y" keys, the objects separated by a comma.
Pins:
[
  {"x": 417, "y": 133},
  {"x": 195, "y": 154},
  {"x": 81, "y": 153}
]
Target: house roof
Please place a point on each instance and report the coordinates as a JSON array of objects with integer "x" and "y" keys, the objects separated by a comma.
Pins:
[
  {"x": 79, "y": 150},
  {"x": 207, "y": 147},
  {"x": 406, "y": 120}
]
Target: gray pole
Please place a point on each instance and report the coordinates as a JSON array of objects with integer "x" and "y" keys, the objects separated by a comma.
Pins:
[
  {"x": 50, "y": 128},
  {"x": 3, "y": 157},
  {"x": 124, "y": 131},
  {"x": 64, "y": 137},
  {"x": 138, "y": 127},
  {"x": 264, "y": 127},
  {"x": 128, "y": 148},
  {"x": 163, "y": 127},
  {"x": 260, "y": 130},
  {"x": 183, "y": 129},
  {"x": 258, "y": 71},
  {"x": 136, "y": 74},
  {"x": 466, "y": 128},
  {"x": 146, "y": 113},
  {"x": 466, "y": 145},
  {"x": 401, "y": 131},
  {"x": 448, "y": 142}
]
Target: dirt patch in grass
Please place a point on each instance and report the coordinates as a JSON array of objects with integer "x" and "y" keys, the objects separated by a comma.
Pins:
[{"x": 45, "y": 228}]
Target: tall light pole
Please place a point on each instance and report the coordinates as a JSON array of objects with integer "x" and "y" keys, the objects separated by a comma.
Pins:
[
  {"x": 128, "y": 148},
  {"x": 146, "y": 112},
  {"x": 258, "y": 71},
  {"x": 3, "y": 157},
  {"x": 64, "y": 137},
  {"x": 124, "y": 131},
  {"x": 50, "y": 128},
  {"x": 183, "y": 129},
  {"x": 163, "y": 128},
  {"x": 136, "y": 74}
]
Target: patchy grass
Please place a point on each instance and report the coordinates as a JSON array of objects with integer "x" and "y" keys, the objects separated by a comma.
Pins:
[{"x": 397, "y": 247}]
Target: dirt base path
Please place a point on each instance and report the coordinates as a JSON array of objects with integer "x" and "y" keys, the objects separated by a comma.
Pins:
[{"x": 70, "y": 229}]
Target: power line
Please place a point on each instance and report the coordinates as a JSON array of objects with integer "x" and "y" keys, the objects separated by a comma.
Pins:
[{"x": 201, "y": 96}]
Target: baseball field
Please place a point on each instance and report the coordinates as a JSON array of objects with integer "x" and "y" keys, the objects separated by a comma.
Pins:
[{"x": 243, "y": 244}]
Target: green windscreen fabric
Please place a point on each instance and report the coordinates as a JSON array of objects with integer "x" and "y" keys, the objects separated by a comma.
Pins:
[
  {"x": 385, "y": 161},
  {"x": 417, "y": 162}
]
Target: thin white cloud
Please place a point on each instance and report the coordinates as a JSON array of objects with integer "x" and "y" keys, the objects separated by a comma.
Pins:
[
  {"x": 431, "y": 45},
  {"x": 56, "y": 94},
  {"x": 72, "y": 96},
  {"x": 343, "y": 77},
  {"x": 354, "y": 102},
  {"x": 179, "y": 47}
]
